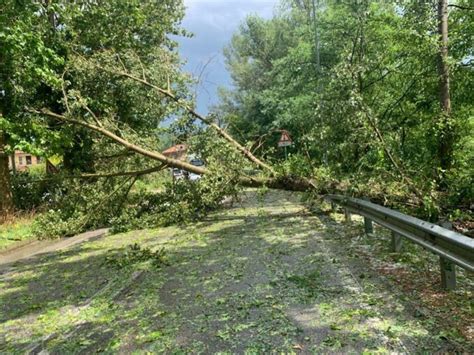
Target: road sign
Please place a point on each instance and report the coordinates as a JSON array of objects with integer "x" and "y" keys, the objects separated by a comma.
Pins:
[{"x": 285, "y": 139}]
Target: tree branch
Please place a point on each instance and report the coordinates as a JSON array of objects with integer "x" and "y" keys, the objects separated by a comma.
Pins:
[
  {"x": 461, "y": 7},
  {"x": 63, "y": 88},
  {"x": 150, "y": 154},
  {"x": 200, "y": 117},
  {"x": 136, "y": 173},
  {"x": 392, "y": 159},
  {"x": 283, "y": 183},
  {"x": 126, "y": 173}
]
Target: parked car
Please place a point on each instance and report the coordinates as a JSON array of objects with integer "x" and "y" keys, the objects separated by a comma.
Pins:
[
  {"x": 195, "y": 162},
  {"x": 178, "y": 174}
]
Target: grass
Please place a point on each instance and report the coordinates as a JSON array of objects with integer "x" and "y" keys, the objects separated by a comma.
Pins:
[
  {"x": 263, "y": 277},
  {"x": 16, "y": 230}
]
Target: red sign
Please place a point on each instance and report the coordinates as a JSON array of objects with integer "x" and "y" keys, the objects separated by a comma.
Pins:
[{"x": 285, "y": 139}]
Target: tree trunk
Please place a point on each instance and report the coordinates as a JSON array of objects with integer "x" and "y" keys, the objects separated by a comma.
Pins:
[
  {"x": 12, "y": 157},
  {"x": 445, "y": 144},
  {"x": 315, "y": 4},
  {"x": 6, "y": 196}
]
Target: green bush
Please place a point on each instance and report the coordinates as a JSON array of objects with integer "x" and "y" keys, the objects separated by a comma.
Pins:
[
  {"x": 32, "y": 188},
  {"x": 81, "y": 206},
  {"x": 53, "y": 224},
  {"x": 78, "y": 206}
]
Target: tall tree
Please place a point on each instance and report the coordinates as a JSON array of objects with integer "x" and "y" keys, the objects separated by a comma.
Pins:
[
  {"x": 446, "y": 135},
  {"x": 25, "y": 63},
  {"x": 46, "y": 46},
  {"x": 374, "y": 104}
]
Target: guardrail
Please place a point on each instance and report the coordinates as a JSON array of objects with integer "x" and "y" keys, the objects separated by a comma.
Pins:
[{"x": 453, "y": 248}]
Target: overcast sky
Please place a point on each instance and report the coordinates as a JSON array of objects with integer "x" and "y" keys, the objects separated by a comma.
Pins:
[{"x": 213, "y": 22}]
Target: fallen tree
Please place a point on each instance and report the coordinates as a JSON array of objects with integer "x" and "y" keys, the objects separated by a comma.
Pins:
[
  {"x": 269, "y": 177},
  {"x": 180, "y": 102},
  {"x": 246, "y": 152},
  {"x": 291, "y": 183}
]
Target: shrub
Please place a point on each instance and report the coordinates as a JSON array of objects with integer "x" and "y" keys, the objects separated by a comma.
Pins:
[
  {"x": 81, "y": 207},
  {"x": 32, "y": 189}
]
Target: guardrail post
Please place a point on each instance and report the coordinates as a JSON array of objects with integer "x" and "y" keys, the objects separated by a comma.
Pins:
[
  {"x": 397, "y": 242},
  {"x": 369, "y": 228},
  {"x": 347, "y": 215},
  {"x": 448, "y": 269},
  {"x": 448, "y": 274},
  {"x": 453, "y": 249}
]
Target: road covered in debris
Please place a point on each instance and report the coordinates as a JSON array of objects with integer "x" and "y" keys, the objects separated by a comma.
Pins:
[{"x": 265, "y": 275}]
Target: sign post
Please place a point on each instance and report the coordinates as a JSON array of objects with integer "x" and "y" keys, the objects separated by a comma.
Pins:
[{"x": 285, "y": 140}]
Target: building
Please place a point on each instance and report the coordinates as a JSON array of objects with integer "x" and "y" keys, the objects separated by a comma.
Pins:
[
  {"x": 22, "y": 161},
  {"x": 177, "y": 151}
]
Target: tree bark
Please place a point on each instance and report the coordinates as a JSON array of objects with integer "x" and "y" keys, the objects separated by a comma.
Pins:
[
  {"x": 445, "y": 145},
  {"x": 12, "y": 157},
  {"x": 6, "y": 196}
]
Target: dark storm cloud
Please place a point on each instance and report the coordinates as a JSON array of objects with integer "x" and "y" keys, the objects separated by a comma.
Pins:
[{"x": 213, "y": 22}]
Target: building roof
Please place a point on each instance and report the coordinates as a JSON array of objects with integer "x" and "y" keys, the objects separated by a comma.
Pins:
[{"x": 178, "y": 148}]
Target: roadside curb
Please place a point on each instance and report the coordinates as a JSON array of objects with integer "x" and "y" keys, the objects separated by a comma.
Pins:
[
  {"x": 20, "y": 244},
  {"x": 26, "y": 251}
]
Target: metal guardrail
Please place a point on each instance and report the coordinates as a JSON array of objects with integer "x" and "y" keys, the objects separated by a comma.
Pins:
[{"x": 453, "y": 248}]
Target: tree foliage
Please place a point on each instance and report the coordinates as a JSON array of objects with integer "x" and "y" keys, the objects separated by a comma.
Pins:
[
  {"x": 370, "y": 109},
  {"x": 57, "y": 55},
  {"x": 355, "y": 83}
]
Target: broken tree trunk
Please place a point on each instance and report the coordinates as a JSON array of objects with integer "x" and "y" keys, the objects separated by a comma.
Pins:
[{"x": 282, "y": 183}]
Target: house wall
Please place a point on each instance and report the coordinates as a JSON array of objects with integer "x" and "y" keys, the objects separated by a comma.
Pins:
[{"x": 23, "y": 161}]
